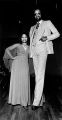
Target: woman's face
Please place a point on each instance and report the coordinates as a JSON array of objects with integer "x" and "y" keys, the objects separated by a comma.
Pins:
[{"x": 24, "y": 38}]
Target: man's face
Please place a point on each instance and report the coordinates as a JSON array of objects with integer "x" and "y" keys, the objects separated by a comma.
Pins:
[{"x": 37, "y": 14}]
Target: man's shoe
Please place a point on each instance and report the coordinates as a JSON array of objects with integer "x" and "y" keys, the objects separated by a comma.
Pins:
[{"x": 34, "y": 107}]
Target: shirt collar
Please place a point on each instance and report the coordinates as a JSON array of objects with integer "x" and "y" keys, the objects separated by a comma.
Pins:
[{"x": 40, "y": 21}]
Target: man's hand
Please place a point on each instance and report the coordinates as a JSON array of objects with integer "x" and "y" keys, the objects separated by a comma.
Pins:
[{"x": 43, "y": 39}]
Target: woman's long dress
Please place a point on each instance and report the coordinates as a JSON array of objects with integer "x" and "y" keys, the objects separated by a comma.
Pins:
[{"x": 18, "y": 91}]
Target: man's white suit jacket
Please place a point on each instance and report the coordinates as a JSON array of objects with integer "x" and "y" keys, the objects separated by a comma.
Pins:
[{"x": 46, "y": 28}]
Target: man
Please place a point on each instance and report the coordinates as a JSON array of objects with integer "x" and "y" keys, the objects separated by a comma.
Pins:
[{"x": 41, "y": 36}]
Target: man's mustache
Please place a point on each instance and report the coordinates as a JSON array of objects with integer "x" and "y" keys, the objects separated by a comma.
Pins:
[{"x": 38, "y": 16}]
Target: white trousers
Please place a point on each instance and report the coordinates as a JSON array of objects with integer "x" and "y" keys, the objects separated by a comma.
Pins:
[{"x": 39, "y": 62}]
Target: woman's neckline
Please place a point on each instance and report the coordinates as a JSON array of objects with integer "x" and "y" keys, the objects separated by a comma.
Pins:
[{"x": 24, "y": 46}]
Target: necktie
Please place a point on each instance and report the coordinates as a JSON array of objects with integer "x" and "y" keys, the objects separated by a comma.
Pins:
[{"x": 37, "y": 25}]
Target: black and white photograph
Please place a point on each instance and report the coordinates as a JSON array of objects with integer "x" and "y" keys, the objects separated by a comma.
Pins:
[{"x": 30, "y": 60}]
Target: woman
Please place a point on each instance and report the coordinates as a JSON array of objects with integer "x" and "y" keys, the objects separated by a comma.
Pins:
[{"x": 18, "y": 91}]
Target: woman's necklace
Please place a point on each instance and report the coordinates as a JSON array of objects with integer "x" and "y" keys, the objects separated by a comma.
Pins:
[{"x": 25, "y": 46}]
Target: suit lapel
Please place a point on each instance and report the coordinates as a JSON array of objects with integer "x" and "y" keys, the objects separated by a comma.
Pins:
[{"x": 40, "y": 31}]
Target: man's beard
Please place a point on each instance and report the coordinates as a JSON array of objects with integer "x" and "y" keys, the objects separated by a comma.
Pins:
[{"x": 38, "y": 19}]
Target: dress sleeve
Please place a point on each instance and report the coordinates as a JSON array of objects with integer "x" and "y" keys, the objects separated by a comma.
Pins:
[
  {"x": 14, "y": 52},
  {"x": 6, "y": 60}
]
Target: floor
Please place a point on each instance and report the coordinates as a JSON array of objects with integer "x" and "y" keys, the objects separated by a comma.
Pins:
[
  {"x": 51, "y": 110},
  {"x": 9, "y": 112}
]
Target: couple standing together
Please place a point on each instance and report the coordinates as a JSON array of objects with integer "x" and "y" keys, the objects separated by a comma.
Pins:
[{"x": 41, "y": 36}]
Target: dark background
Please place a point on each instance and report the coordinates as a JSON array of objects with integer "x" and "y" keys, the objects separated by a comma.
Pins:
[{"x": 16, "y": 17}]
